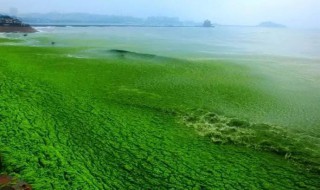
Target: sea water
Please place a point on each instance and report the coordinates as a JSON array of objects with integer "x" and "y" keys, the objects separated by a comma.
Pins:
[
  {"x": 189, "y": 42},
  {"x": 288, "y": 58}
]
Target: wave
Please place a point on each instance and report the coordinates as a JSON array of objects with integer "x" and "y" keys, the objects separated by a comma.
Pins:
[
  {"x": 124, "y": 53},
  {"x": 45, "y": 29}
]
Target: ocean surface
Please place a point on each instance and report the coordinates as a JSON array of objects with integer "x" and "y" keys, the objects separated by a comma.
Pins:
[
  {"x": 289, "y": 59},
  {"x": 188, "y": 42}
]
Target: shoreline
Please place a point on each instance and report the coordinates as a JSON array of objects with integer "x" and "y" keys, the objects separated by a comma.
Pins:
[
  {"x": 112, "y": 25},
  {"x": 23, "y": 29}
]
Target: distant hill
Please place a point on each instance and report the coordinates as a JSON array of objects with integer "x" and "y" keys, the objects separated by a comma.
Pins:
[
  {"x": 270, "y": 24},
  {"x": 93, "y": 19}
]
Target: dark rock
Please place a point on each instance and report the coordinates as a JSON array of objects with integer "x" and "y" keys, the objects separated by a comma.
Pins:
[
  {"x": 10, "y": 24},
  {"x": 10, "y": 183},
  {"x": 207, "y": 23}
]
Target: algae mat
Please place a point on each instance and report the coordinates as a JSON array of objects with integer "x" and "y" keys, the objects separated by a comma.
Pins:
[{"x": 62, "y": 127}]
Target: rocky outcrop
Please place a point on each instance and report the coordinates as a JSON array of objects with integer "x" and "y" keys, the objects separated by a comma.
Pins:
[
  {"x": 10, "y": 183},
  {"x": 10, "y": 24},
  {"x": 24, "y": 29},
  {"x": 207, "y": 23}
]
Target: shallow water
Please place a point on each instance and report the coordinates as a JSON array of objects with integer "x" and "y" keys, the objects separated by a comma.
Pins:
[{"x": 194, "y": 42}]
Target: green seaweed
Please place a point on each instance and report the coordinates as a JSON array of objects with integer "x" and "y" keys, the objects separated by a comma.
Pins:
[
  {"x": 223, "y": 130},
  {"x": 110, "y": 123},
  {"x": 7, "y": 40}
]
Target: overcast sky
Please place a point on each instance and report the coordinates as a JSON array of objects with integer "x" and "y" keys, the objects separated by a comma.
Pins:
[{"x": 294, "y": 13}]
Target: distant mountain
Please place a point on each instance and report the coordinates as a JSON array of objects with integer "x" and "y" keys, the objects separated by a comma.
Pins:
[
  {"x": 271, "y": 25},
  {"x": 92, "y": 19},
  {"x": 77, "y": 18},
  {"x": 162, "y": 21}
]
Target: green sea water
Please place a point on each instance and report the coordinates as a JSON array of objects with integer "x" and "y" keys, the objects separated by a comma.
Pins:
[{"x": 161, "y": 108}]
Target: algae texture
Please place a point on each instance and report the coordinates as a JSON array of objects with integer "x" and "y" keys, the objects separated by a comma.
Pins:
[{"x": 119, "y": 123}]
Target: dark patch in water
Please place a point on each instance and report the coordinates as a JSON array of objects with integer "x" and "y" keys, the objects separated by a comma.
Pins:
[{"x": 125, "y": 53}]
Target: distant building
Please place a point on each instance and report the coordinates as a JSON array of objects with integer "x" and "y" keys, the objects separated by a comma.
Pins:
[{"x": 207, "y": 23}]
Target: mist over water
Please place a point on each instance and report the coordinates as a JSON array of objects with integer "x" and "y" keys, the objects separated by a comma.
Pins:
[
  {"x": 191, "y": 42},
  {"x": 300, "y": 13}
]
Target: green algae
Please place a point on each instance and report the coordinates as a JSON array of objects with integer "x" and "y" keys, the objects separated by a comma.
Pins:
[
  {"x": 223, "y": 130},
  {"x": 69, "y": 123},
  {"x": 5, "y": 40}
]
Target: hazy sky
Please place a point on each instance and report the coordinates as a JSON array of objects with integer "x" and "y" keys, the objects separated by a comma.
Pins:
[{"x": 295, "y": 13}]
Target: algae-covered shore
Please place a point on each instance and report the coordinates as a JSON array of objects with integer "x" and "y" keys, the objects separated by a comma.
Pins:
[{"x": 79, "y": 117}]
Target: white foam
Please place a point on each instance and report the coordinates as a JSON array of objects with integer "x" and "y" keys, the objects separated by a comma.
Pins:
[{"x": 46, "y": 29}]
